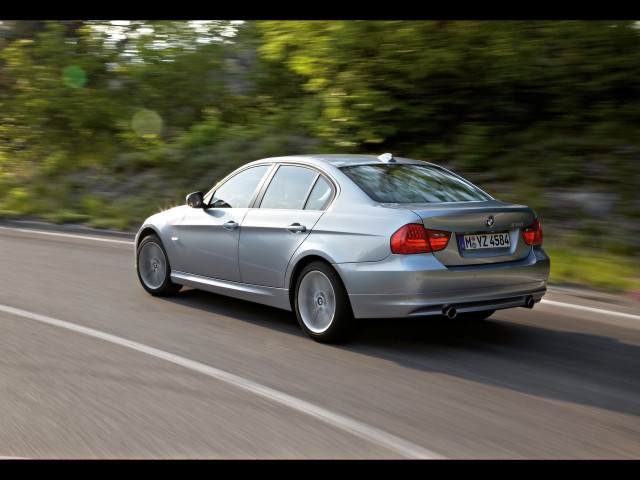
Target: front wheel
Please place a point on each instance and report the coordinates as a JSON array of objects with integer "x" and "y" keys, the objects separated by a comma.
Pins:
[
  {"x": 153, "y": 267},
  {"x": 322, "y": 305}
]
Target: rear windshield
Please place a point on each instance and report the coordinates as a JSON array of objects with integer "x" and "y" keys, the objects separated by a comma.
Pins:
[{"x": 412, "y": 184}]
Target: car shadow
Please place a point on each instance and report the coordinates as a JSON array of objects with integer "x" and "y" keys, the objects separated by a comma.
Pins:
[
  {"x": 254, "y": 313},
  {"x": 511, "y": 351},
  {"x": 507, "y": 350}
]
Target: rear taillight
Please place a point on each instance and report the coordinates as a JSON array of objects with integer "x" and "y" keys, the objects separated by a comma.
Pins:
[
  {"x": 438, "y": 239},
  {"x": 414, "y": 238},
  {"x": 533, "y": 233}
]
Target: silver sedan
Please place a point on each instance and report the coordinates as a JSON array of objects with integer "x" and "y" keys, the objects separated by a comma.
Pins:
[{"x": 336, "y": 238}]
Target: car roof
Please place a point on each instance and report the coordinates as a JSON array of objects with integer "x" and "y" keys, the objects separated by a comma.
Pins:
[{"x": 342, "y": 160}]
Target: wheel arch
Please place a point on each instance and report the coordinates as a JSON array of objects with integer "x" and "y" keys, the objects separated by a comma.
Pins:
[
  {"x": 156, "y": 278},
  {"x": 143, "y": 233},
  {"x": 334, "y": 324},
  {"x": 299, "y": 266}
]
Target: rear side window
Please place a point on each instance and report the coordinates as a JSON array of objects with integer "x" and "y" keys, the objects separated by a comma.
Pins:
[
  {"x": 412, "y": 184},
  {"x": 320, "y": 196},
  {"x": 295, "y": 187}
]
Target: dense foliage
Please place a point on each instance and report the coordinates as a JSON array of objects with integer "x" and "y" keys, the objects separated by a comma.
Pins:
[{"x": 105, "y": 122}]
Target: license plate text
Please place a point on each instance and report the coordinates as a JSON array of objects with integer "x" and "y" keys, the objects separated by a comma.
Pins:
[{"x": 491, "y": 240}]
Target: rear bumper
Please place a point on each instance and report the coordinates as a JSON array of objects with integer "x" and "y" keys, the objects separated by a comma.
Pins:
[{"x": 415, "y": 285}]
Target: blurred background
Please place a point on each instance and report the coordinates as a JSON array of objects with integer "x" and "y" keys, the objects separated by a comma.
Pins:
[{"x": 103, "y": 123}]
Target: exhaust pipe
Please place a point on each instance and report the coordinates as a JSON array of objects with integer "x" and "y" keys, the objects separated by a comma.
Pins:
[
  {"x": 450, "y": 312},
  {"x": 529, "y": 302}
]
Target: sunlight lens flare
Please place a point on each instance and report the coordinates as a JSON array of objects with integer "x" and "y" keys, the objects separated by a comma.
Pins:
[
  {"x": 147, "y": 123},
  {"x": 74, "y": 77}
]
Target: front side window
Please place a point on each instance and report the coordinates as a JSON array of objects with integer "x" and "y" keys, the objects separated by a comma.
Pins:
[
  {"x": 238, "y": 191},
  {"x": 412, "y": 184}
]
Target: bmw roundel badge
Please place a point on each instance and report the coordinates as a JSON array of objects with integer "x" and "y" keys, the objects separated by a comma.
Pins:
[{"x": 490, "y": 221}]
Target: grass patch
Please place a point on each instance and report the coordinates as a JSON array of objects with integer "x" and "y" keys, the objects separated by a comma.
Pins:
[
  {"x": 603, "y": 271},
  {"x": 109, "y": 223},
  {"x": 610, "y": 272},
  {"x": 10, "y": 214},
  {"x": 65, "y": 217}
]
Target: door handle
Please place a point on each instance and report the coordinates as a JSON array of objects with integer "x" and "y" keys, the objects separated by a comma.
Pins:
[
  {"x": 296, "y": 228},
  {"x": 230, "y": 225}
]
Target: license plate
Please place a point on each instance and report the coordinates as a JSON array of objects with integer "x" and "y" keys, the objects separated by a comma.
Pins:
[{"x": 489, "y": 240}]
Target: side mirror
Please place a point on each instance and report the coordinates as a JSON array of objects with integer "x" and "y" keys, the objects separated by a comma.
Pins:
[{"x": 195, "y": 200}]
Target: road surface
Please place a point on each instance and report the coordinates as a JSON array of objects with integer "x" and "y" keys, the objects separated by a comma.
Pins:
[{"x": 93, "y": 367}]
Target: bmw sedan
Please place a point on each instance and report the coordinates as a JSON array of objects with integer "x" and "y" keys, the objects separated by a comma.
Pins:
[{"x": 340, "y": 238}]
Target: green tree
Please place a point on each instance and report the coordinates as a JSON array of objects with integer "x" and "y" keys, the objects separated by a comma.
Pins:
[
  {"x": 463, "y": 85},
  {"x": 60, "y": 101}
]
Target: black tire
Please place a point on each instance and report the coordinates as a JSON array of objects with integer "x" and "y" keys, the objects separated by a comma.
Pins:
[
  {"x": 322, "y": 305},
  {"x": 152, "y": 265}
]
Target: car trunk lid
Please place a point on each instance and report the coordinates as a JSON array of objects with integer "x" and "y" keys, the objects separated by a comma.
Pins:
[{"x": 482, "y": 232}]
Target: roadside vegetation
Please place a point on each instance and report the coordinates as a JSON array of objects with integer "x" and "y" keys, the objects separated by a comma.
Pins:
[{"x": 104, "y": 123}]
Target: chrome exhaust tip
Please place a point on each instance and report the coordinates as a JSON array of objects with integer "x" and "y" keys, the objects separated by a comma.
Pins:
[
  {"x": 529, "y": 302},
  {"x": 450, "y": 312}
]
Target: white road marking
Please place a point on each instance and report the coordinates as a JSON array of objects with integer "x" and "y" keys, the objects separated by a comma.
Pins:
[
  {"x": 591, "y": 309},
  {"x": 69, "y": 235},
  {"x": 371, "y": 434},
  {"x": 130, "y": 242},
  {"x": 397, "y": 444}
]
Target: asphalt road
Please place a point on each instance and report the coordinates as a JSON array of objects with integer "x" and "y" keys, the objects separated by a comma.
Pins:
[{"x": 93, "y": 367}]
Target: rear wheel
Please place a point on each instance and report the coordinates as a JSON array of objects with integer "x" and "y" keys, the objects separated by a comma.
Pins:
[
  {"x": 153, "y": 267},
  {"x": 322, "y": 305}
]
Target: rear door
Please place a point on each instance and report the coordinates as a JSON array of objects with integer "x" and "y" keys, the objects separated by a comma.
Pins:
[{"x": 270, "y": 234}]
